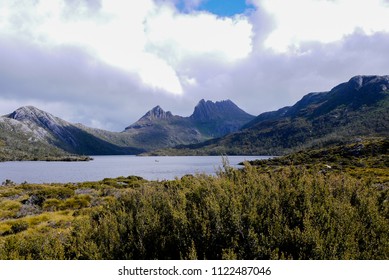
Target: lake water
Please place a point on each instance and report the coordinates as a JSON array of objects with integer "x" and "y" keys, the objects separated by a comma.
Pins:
[{"x": 150, "y": 168}]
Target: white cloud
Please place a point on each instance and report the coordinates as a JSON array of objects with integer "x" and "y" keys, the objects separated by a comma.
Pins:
[
  {"x": 323, "y": 21},
  {"x": 141, "y": 37},
  {"x": 200, "y": 33}
]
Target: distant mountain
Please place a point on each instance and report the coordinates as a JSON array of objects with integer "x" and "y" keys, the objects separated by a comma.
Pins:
[
  {"x": 357, "y": 108},
  {"x": 159, "y": 129},
  {"x": 55, "y": 134},
  {"x": 19, "y": 142},
  {"x": 44, "y": 125},
  {"x": 30, "y": 133},
  {"x": 219, "y": 118}
]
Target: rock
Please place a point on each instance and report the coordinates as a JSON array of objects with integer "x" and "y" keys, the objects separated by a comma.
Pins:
[
  {"x": 359, "y": 82},
  {"x": 226, "y": 109},
  {"x": 158, "y": 113}
]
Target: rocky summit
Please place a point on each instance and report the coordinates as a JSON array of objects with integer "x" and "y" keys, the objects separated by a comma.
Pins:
[
  {"x": 157, "y": 113},
  {"x": 221, "y": 110},
  {"x": 34, "y": 133},
  {"x": 158, "y": 128},
  {"x": 216, "y": 119},
  {"x": 43, "y": 124}
]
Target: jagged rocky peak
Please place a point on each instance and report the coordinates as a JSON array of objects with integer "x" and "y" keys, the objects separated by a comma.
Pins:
[
  {"x": 33, "y": 116},
  {"x": 205, "y": 110},
  {"x": 26, "y": 112},
  {"x": 157, "y": 113},
  {"x": 208, "y": 110},
  {"x": 360, "y": 81},
  {"x": 208, "y": 103}
]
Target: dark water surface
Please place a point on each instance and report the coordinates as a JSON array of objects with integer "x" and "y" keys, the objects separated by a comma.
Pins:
[{"x": 151, "y": 168}]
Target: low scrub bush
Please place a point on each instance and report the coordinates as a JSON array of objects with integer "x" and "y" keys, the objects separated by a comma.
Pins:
[
  {"x": 293, "y": 214},
  {"x": 278, "y": 213},
  {"x": 19, "y": 226}
]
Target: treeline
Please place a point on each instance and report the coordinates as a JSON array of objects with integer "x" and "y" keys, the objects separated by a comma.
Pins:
[{"x": 288, "y": 213}]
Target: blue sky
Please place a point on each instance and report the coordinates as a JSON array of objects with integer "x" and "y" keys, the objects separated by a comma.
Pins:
[{"x": 219, "y": 7}]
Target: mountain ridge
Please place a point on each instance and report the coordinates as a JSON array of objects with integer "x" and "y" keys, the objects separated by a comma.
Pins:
[
  {"x": 208, "y": 120},
  {"x": 155, "y": 129},
  {"x": 353, "y": 109},
  {"x": 48, "y": 129}
]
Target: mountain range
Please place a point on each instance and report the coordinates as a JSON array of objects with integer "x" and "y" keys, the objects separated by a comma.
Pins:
[
  {"x": 209, "y": 120},
  {"x": 30, "y": 133},
  {"x": 354, "y": 109}
]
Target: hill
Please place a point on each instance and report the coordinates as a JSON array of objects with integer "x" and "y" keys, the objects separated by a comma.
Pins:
[{"x": 368, "y": 159}]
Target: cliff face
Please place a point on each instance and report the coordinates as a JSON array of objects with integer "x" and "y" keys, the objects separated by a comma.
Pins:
[
  {"x": 217, "y": 119},
  {"x": 206, "y": 111}
]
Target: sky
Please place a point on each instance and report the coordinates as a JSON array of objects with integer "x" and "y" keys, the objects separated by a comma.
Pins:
[{"x": 105, "y": 63}]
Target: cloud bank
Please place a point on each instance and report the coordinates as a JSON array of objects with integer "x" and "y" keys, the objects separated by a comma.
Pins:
[{"x": 106, "y": 62}]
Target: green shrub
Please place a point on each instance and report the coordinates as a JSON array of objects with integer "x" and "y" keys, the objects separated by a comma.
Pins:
[
  {"x": 19, "y": 226},
  {"x": 292, "y": 212},
  {"x": 77, "y": 202},
  {"x": 52, "y": 204},
  {"x": 10, "y": 205}
]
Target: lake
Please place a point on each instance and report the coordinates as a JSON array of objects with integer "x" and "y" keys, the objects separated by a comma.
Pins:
[{"x": 150, "y": 168}]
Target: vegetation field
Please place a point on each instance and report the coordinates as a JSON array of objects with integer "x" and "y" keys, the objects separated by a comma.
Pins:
[{"x": 296, "y": 207}]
